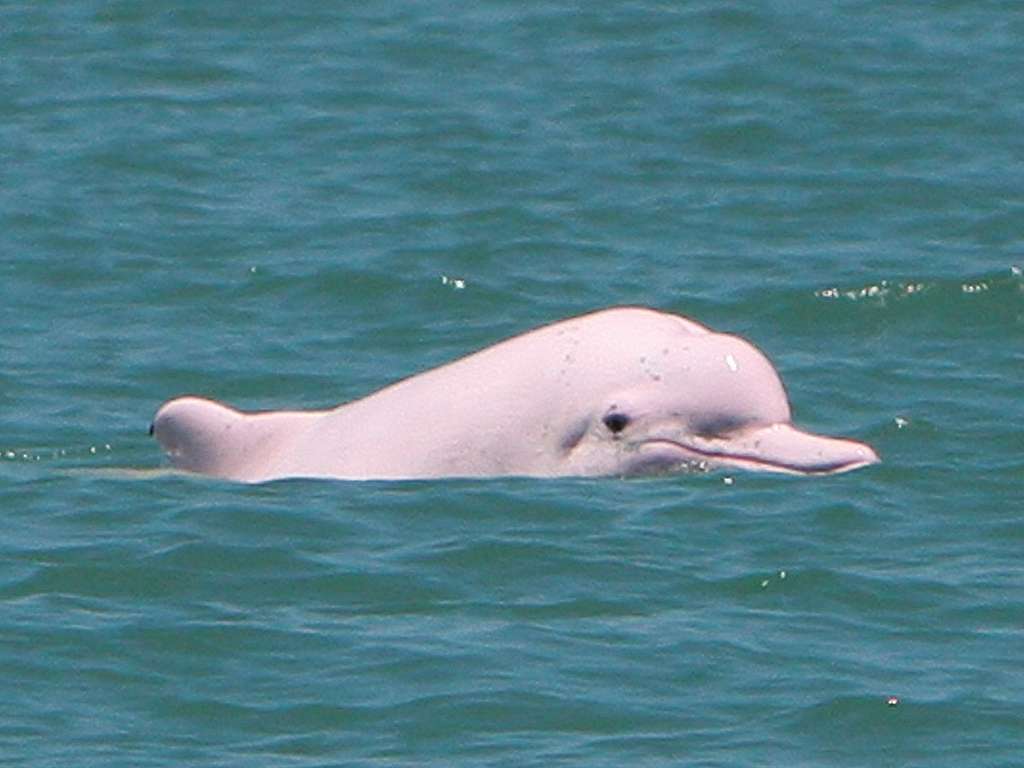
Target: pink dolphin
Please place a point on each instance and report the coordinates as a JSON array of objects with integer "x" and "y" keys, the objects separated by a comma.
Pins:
[{"x": 622, "y": 391}]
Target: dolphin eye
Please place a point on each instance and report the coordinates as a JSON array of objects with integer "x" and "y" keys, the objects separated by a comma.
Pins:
[{"x": 616, "y": 422}]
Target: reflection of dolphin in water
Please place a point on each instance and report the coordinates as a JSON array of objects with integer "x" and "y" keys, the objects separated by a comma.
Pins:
[{"x": 622, "y": 391}]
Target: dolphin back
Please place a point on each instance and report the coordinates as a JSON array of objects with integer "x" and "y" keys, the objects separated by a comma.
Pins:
[{"x": 208, "y": 437}]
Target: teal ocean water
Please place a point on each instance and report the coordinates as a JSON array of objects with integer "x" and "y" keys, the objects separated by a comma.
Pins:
[{"x": 290, "y": 206}]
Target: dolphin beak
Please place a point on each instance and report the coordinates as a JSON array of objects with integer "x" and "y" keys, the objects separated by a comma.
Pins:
[{"x": 784, "y": 448}]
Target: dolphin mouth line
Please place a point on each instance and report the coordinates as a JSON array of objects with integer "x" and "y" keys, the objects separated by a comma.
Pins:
[{"x": 753, "y": 462}]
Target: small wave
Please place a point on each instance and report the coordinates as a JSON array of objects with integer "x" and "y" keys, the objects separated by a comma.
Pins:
[{"x": 995, "y": 298}]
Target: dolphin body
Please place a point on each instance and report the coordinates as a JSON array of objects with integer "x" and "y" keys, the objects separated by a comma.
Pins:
[{"x": 622, "y": 391}]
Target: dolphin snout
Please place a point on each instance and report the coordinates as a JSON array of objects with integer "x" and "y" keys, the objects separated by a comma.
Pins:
[
  {"x": 785, "y": 448},
  {"x": 778, "y": 447}
]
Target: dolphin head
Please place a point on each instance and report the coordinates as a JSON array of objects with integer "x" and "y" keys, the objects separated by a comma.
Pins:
[{"x": 707, "y": 401}]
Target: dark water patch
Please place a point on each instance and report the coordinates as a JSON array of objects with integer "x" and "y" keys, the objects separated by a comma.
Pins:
[{"x": 847, "y": 726}]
